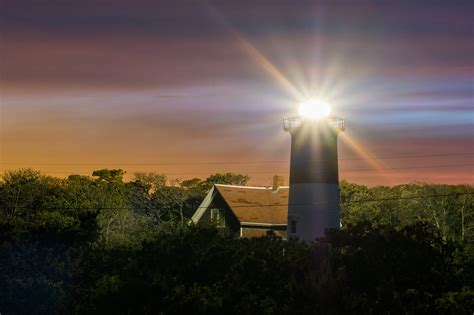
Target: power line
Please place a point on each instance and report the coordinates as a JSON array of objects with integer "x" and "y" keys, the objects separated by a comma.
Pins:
[
  {"x": 408, "y": 197},
  {"x": 407, "y": 168},
  {"x": 286, "y": 171},
  {"x": 234, "y": 162},
  {"x": 277, "y": 205},
  {"x": 359, "y": 200}
]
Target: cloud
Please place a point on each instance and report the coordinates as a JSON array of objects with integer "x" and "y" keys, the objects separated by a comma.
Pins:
[{"x": 124, "y": 80}]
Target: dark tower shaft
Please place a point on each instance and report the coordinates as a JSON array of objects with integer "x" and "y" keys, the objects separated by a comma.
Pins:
[{"x": 314, "y": 178}]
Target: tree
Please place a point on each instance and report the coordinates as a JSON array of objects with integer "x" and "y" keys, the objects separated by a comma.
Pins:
[
  {"x": 149, "y": 181},
  {"x": 110, "y": 176},
  {"x": 88, "y": 245},
  {"x": 226, "y": 178}
]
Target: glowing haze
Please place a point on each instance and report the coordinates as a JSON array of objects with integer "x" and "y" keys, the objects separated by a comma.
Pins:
[
  {"x": 170, "y": 86},
  {"x": 313, "y": 108}
]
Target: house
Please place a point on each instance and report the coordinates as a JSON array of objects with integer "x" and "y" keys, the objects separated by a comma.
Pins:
[{"x": 245, "y": 210}]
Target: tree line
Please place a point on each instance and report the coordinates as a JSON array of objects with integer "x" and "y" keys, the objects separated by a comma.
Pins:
[{"x": 98, "y": 244}]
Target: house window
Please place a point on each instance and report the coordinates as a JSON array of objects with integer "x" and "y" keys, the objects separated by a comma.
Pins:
[{"x": 218, "y": 217}]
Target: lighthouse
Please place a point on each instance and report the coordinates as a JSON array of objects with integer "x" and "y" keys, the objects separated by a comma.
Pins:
[{"x": 313, "y": 201}]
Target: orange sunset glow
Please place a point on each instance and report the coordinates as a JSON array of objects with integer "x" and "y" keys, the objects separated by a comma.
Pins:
[{"x": 190, "y": 89}]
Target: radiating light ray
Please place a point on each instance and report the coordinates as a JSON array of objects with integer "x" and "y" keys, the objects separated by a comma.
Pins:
[
  {"x": 258, "y": 57},
  {"x": 295, "y": 71},
  {"x": 325, "y": 76},
  {"x": 267, "y": 65},
  {"x": 369, "y": 158},
  {"x": 327, "y": 82}
]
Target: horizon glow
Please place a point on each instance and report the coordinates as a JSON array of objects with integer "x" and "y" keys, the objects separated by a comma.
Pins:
[{"x": 177, "y": 82}]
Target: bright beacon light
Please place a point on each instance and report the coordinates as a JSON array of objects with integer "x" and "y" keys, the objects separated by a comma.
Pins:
[{"x": 314, "y": 109}]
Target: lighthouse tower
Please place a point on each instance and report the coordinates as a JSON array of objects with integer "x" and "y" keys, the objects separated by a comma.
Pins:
[{"x": 314, "y": 177}]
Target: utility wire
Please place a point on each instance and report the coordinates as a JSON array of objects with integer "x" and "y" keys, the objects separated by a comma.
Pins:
[
  {"x": 278, "y": 205},
  {"x": 286, "y": 171},
  {"x": 235, "y": 162}
]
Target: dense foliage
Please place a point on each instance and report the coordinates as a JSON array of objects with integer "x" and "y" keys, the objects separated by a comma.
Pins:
[{"x": 101, "y": 245}]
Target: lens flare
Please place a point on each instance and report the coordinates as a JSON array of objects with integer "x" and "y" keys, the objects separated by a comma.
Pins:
[{"x": 314, "y": 109}]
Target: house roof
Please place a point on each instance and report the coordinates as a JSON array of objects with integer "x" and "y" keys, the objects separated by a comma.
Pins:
[{"x": 251, "y": 205}]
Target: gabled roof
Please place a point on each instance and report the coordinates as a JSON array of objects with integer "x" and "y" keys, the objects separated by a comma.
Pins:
[{"x": 251, "y": 205}]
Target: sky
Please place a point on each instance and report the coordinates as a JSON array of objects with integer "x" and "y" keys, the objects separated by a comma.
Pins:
[{"x": 193, "y": 87}]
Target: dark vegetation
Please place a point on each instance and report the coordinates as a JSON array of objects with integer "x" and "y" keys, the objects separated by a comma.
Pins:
[{"x": 101, "y": 245}]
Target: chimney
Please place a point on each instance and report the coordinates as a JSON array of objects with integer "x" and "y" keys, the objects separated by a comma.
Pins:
[{"x": 277, "y": 182}]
